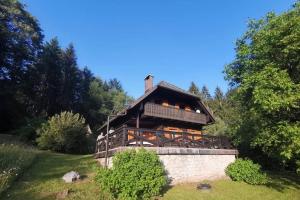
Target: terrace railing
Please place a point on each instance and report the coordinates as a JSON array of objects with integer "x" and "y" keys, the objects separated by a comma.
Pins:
[
  {"x": 168, "y": 112},
  {"x": 126, "y": 136}
]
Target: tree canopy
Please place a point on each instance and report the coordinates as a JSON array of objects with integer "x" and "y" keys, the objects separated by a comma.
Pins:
[
  {"x": 266, "y": 75},
  {"x": 21, "y": 40}
]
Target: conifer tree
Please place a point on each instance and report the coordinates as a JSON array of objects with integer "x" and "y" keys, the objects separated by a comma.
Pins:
[{"x": 194, "y": 89}]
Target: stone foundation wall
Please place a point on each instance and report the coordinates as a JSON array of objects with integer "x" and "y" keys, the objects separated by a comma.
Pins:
[
  {"x": 187, "y": 164},
  {"x": 192, "y": 168}
]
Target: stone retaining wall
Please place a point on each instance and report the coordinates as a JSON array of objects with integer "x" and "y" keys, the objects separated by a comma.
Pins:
[{"x": 187, "y": 164}]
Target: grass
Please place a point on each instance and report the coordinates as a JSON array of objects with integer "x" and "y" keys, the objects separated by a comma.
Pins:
[
  {"x": 14, "y": 160},
  {"x": 281, "y": 187},
  {"x": 44, "y": 179}
]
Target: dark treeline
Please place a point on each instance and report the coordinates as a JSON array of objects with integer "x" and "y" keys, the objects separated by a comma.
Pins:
[{"x": 39, "y": 79}]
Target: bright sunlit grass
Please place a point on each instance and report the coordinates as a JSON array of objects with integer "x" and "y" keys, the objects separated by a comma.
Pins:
[
  {"x": 43, "y": 181},
  {"x": 281, "y": 187}
]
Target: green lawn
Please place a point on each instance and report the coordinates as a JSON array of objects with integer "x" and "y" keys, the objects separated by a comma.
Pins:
[
  {"x": 281, "y": 187},
  {"x": 43, "y": 181}
]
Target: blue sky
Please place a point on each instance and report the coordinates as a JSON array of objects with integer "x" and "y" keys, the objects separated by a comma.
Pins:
[{"x": 176, "y": 41}]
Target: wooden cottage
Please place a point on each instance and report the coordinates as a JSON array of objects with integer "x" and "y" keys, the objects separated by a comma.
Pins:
[
  {"x": 170, "y": 122},
  {"x": 165, "y": 116}
]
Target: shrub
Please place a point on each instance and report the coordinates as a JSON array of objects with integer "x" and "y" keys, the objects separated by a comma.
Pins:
[
  {"x": 65, "y": 132},
  {"x": 135, "y": 175},
  {"x": 298, "y": 167},
  {"x": 14, "y": 159},
  {"x": 247, "y": 171},
  {"x": 28, "y": 132}
]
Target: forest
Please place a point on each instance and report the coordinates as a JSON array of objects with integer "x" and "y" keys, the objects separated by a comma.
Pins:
[{"x": 40, "y": 78}]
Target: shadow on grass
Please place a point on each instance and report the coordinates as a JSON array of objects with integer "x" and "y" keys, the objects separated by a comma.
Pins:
[
  {"x": 165, "y": 190},
  {"x": 283, "y": 180},
  {"x": 44, "y": 179}
]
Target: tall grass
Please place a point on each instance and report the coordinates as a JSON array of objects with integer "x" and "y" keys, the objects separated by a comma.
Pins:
[{"x": 14, "y": 159}]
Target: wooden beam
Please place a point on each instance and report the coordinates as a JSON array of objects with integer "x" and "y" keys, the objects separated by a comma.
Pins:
[{"x": 138, "y": 120}]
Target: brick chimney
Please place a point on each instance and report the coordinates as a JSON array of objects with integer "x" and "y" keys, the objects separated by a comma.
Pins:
[{"x": 148, "y": 83}]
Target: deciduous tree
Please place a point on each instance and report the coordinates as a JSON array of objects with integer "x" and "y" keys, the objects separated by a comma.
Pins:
[{"x": 266, "y": 73}]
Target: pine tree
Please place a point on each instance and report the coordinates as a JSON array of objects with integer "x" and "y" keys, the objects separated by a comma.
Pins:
[
  {"x": 219, "y": 96},
  {"x": 114, "y": 84},
  {"x": 205, "y": 94},
  {"x": 194, "y": 89},
  {"x": 52, "y": 80},
  {"x": 71, "y": 78}
]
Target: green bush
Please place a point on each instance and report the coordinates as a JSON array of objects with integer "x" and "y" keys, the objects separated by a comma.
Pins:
[
  {"x": 247, "y": 171},
  {"x": 14, "y": 159},
  {"x": 28, "y": 132},
  {"x": 136, "y": 174},
  {"x": 65, "y": 132}
]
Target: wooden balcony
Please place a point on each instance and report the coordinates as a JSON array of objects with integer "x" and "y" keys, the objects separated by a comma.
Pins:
[
  {"x": 127, "y": 136},
  {"x": 156, "y": 110}
]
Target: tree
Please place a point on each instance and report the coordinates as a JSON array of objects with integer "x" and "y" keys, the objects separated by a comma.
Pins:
[
  {"x": 205, "y": 94},
  {"x": 266, "y": 73},
  {"x": 219, "y": 96},
  {"x": 221, "y": 107},
  {"x": 51, "y": 83},
  {"x": 21, "y": 41},
  {"x": 97, "y": 104},
  {"x": 39, "y": 80},
  {"x": 64, "y": 132},
  {"x": 113, "y": 84},
  {"x": 194, "y": 89},
  {"x": 120, "y": 101},
  {"x": 20, "y": 38},
  {"x": 71, "y": 78},
  {"x": 218, "y": 128}
]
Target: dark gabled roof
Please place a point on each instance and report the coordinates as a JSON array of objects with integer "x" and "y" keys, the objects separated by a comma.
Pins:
[
  {"x": 175, "y": 88},
  {"x": 168, "y": 86},
  {"x": 164, "y": 85}
]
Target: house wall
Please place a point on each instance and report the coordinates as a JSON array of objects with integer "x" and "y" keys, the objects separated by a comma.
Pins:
[{"x": 188, "y": 164}]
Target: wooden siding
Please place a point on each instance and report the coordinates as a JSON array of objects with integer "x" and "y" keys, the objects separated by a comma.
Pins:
[{"x": 155, "y": 110}]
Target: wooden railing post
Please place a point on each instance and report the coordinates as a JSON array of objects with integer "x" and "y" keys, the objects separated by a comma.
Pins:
[
  {"x": 123, "y": 135},
  {"x": 96, "y": 148},
  {"x": 220, "y": 142},
  {"x": 183, "y": 139},
  {"x": 158, "y": 142}
]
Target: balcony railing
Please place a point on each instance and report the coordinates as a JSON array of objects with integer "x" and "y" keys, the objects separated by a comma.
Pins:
[
  {"x": 126, "y": 136},
  {"x": 155, "y": 110}
]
